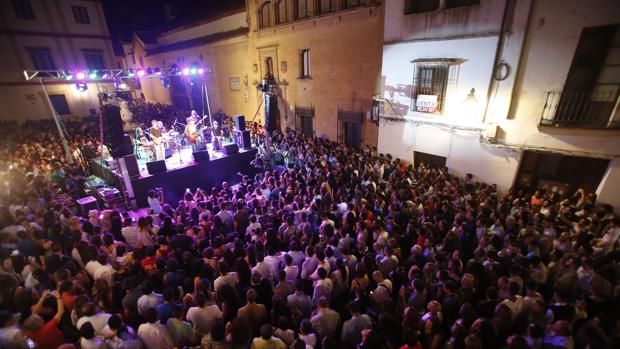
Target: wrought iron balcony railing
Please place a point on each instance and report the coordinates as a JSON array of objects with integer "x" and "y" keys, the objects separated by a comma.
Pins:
[{"x": 597, "y": 110}]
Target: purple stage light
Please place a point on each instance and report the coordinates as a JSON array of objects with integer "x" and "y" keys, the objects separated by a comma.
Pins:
[
  {"x": 200, "y": 71},
  {"x": 186, "y": 71},
  {"x": 80, "y": 75},
  {"x": 141, "y": 72}
]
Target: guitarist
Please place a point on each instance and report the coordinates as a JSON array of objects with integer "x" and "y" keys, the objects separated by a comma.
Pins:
[
  {"x": 156, "y": 138},
  {"x": 191, "y": 132}
]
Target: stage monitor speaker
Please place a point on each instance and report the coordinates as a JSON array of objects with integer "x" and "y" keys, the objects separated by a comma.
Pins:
[
  {"x": 200, "y": 146},
  {"x": 201, "y": 155},
  {"x": 155, "y": 167},
  {"x": 271, "y": 112},
  {"x": 242, "y": 138},
  {"x": 231, "y": 148},
  {"x": 239, "y": 122},
  {"x": 114, "y": 137},
  {"x": 133, "y": 170}
]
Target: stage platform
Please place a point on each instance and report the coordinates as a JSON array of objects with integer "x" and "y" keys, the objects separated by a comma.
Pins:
[{"x": 184, "y": 173}]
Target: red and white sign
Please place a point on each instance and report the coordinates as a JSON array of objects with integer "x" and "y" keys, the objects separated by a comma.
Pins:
[{"x": 426, "y": 103}]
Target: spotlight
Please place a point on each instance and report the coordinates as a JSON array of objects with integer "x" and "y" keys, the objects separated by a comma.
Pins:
[
  {"x": 200, "y": 71},
  {"x": 141, "y": 73},
  {"x": 186, "y": 71},
  {"x": 157, "y": 71},
  {"x": 68, "y": 76},
  {"x": 130, "y": 73},
  {"x": 105, "y": 75},
  {"x": 81, "y": 86},
  {"x": 193, "y": 71},
  {"x": 93, "y": 75},
  {"x": 122, "y": 85},
  {"x": 80, "y": 75},
  {"x": 165, "y": 82}
]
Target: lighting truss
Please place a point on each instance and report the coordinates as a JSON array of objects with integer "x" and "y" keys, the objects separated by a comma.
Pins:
[{"x": 106, "y": 74}]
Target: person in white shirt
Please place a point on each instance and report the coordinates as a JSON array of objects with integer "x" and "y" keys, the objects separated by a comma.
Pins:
[
  {"x": 149, "y": 299},
  {"x": 226, "y": 278},
  {"x": 130, "y": 233},
  {"x": 153, "y": 334},
  {"x": 92, "y": 266},
  {"x": 204, "y": 316},
  {"x": 105, "y": 271},
  {"x": 254, "y": 226},
  {"x": 88, "y": 338},
  {"x": 154, "y": 202},
  {"x": 265, "y": 269},
  {"x": 97, "y": 320},
  {"x": 308, "y": 267},
  {"x": 292, "y": 271},
  {"x": 514, "y": 302}
]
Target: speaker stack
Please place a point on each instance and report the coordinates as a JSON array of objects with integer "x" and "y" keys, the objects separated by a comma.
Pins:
[
  {"x": 118, "y": 143},
  {"x": 230, "y": 148},
  {"x": 201, "y": 155},
  {"x": 271, "y": 112}
]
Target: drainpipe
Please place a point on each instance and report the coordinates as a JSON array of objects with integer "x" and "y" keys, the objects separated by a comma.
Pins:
[{"x": 498, "y": 56}]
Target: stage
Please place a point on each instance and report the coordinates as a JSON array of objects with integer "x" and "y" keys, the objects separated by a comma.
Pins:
[{"x": 183, "y": 172}]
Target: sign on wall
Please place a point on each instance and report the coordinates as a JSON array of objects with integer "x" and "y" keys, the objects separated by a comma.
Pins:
[{"x": 426, "y": 103}]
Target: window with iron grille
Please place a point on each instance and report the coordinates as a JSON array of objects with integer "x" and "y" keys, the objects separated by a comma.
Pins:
[
  {"x": 304, "y": 120},
  {"x": 23, "y": 9},
  {"x": 80, "y": 14},
  {"x": 94, "y": 58},
  {"x": 432, "y": 80},
  {"x": 419, "y": 6},
  {"x": 42, "y": 58}
]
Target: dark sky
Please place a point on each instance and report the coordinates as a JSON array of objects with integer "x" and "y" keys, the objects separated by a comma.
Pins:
[{"x": 125, "y": 16}]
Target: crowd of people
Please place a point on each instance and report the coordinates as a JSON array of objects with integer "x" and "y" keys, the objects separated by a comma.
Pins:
[
  {"x": 343, "y": 248},
  {"x": 143, "y": 112}
]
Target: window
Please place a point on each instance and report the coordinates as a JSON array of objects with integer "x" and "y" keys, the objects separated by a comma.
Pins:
[
  {"x": 80, "y": 14},
  {"x": 282, "y": 12},
  {"x": 461, "y": 3},
  {"x": 42, "y": 58},
  {"x": 304, "y": 120},
  {"x": 430, "y": 82},
  {"x": 94, "y": 58},
  {"x": 268, "y": 67},
  {"x": 60, "y": 104},
  {"x": 23, "y": 9},
  {"x": 429, "y": 160},
  {"x": 265, "y": 15},
  {"x": 305, "y": 8},
  {"x": 327, "y": 6},
  {"x": 305, "y": 63},
  {"x": 418, "y": 6},
  {"x": 592, "y": 86}
]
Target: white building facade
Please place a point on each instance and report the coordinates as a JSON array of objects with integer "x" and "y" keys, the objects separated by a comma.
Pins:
[{"x": 520, "y": 93}]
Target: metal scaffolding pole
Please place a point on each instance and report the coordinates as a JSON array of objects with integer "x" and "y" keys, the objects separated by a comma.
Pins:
[{"x": 56, "y": 118}]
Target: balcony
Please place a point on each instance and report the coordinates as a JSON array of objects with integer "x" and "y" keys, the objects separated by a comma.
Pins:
[{"x": 594, "y": 110}]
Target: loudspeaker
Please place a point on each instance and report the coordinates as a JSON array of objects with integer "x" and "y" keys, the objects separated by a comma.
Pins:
[
  {"x": 201, "y": 146},
  {"x": 271, "y": 112},
  {"x": 242, "y": 138},
  {"x": 201, "y": 155},
  {"x": 114, "y": 137},
  {"x": 155, "y": 167},
  {"x": 239, "y": 122},
  {"x": 167, "y": 153},
  {"x": 230, "y": 148},
  {"x": 132, "y": 165}
]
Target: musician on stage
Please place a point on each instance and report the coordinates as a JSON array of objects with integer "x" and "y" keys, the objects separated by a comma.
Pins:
[
  {"x": 191, "y": 132},
  {"x": 156, "y": 138}
]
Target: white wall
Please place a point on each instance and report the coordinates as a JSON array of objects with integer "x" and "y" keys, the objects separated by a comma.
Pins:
[
  {"x": 462, "y": 149},
  {"x": 608, "y": 191},
  {"x": 475, "y": 72}
]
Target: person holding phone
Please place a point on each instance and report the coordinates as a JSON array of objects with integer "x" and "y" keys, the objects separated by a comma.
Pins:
[{"x": 46, "y": 335}]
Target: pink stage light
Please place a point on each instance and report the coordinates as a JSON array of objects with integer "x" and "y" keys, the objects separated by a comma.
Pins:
[
  {"x": 141, "y": 72},
  {"x": 185, "y": 71},
  {"x": 80, "y": 75},
  {"x": 200, "y": 71}
]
